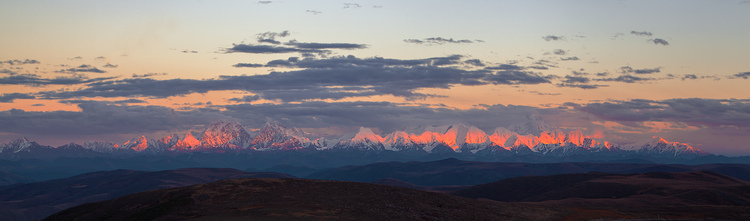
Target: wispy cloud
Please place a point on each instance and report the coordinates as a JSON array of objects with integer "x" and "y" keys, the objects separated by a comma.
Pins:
[
  {"x": 641, "y": 33},
  {"x": 628, "y": 69},
  {"x": 82, "y": 68},
  {"x": 19, "y": 62},
  {"x": 659, "y": 41},
  {"x": 8, "y": 98},
  {"x": 693, "y": 111},
  {"x": 626, "y": 79},
  {"x": 553, "y": 38},
  {"x": 744, "y": 75},
  {"x": 148, "y": 75},
  {"x": 439, "y": 41},
  {"x": 330, "y": 78},
  {"x": 36, "y": 80}
]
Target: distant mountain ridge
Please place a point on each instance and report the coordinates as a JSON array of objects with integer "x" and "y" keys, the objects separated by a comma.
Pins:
[{"x": 224, "y": 136}]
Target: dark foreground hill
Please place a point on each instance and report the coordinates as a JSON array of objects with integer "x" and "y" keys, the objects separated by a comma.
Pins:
[
  {"x": 285, "y": 199},
  {"x": 695, "y": 195},
  {"x": 38, "y": 200}
]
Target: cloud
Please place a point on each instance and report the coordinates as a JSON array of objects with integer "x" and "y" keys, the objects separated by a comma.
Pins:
[
  {"x": 559, "y": 52},
  {"x": 580, "y": 73},
  {"x": 330, "y": 78},
  {"x": 553, "y": 38},
  {"x": 474, "y": 62},
  {"x": 314, "y": 12},
  {"x": 439, "y": 41},
  {"x": 574, "y": 58},
  {"x": 108, "y": 65},
  {"x": 8, "y": 98},
  {"x": 538, "y": 67},
  {"x": 270, "y": 37},
  {"x": 582, "y": 86},
  {"x": 351, "y": 5},
  {"x": 100, "y": 58},
  {"x": 301, "y": 45},
  {"x": 353, "y": 62},
  {"x": 545, "y": 63},
  {"x": 102, "y": 119},
  {"x": 266, "y": 49},
  {"x": 130, "y": 101},
  {"x": 517, "y": 77},
  {"x": 578, "y": 82},
  {"x": 626, "y": 79},
  {"x": 507, "y": 67},
  {"x": 9, "y": 72},
  {"x": 659, "y": 41},
  {"x": 189, "y": 51},
  {"x": 573, "y": 80},
  {"x": 246, "y": 99},
  {"x": 19, "y": 62},
  {"x": 385, "y": 116},
  {"x": 641, "y": 33},
  {"x": 690, "y": 76},
  {"x": 82, "y": 68},
  {"x": 292, "y": 46},
  {"x": 36, "y": 80},
  {"x": 743, "y": 75},
  {"x": 618, "y": 36},
  {"x": 692, "y": 111},
  {"x": 628, "y": 69},
  {"x": 98, "y": 118},
  {"x": 148, "y": 75},
  {"x": 247, "y": 65},
  {"x": 264, "y": 2}
]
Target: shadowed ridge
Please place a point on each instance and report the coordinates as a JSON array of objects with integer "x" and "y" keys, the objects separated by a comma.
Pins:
[
  {"x": 285, "y": 199},
  {"x": 679, "y": 195}
]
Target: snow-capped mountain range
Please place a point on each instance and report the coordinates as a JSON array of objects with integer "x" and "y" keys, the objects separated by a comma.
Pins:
[{"x": 224, "y": 136}]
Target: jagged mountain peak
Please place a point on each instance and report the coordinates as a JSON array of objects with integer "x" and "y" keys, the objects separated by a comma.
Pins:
[
  {"x": 21, "y": 141},
  {"x": 365, "y": 133},
  {"x": 188, "y": 142},
  {"x": 138, "y": 143},
  {"x": 221, "y": 134},
  {"x": 274, "y": 135},
  {"x": 661, "y": 146}
]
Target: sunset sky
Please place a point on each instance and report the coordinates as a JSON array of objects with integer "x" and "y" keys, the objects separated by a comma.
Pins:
[{"x": 72, "y": 71}]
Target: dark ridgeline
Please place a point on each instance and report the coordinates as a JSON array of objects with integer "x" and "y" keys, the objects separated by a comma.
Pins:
[
  {"x": 299, "y": 199},
  {"x": 669, "y": 195}
]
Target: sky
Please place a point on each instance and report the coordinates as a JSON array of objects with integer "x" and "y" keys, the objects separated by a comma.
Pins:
[{"x": 72, "y": 71}]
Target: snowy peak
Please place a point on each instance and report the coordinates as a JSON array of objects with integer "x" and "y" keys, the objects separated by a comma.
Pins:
[
  {"x": 99, "y": 146},
  {"x": 475, "y": 136},
  {"x": 18, "y": 145},
  {"x": 364, "y": 139},
  {"x": 222, "y": 134},
  {"x": 365, "y": 135},
  {"x": 138, "y": 144},
  {"x": 188, "y": 142},
  {"x": 458, "y": 138},
  {"x": 660, "y": 146},
  {"x": 169, "y": 141},
  {"x": 277, "y": 136}
]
